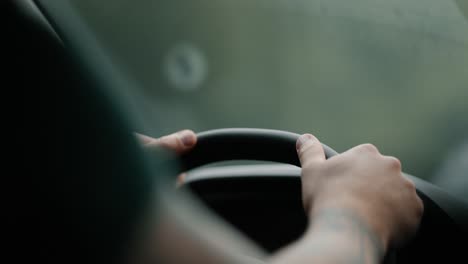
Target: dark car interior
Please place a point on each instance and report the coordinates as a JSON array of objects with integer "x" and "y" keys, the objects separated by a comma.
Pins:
[{"x": 91, "y": 182}]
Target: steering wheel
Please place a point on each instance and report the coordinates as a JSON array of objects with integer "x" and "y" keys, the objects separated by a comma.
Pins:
[
  {"x": 96, "y": 170},
  {"x": 441, "y": 210},
  {"x": 245, "y": 144},
  {"x": 248, "y": 144}
]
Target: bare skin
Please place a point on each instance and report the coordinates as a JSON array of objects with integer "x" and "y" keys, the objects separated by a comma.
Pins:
[
  {"x": 179, "y": 142},
  {"x": 359, "y": 204}
]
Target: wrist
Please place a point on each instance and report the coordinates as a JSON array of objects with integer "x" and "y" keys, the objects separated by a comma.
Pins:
[
  {"x": 369, "y": 216},
  {"x": 349, "y": 225}
]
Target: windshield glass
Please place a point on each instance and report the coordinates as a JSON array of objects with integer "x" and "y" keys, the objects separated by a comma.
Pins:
[{"x": 393, "y": 73}]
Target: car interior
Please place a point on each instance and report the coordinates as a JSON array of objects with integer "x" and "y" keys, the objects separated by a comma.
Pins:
[{"x": 92, "y": 182}]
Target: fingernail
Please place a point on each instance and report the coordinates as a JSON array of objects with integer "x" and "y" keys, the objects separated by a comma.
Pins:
[
  {"x": 187, "y": 137},
  {"x": 303, "y": 139}
]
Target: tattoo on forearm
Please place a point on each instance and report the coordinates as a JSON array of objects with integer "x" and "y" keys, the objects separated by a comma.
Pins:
[{"x": 362, "y": 245}]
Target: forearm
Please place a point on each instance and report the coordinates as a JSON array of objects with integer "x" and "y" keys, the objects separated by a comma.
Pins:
[
  {"x": 188, "y": 233},
  {"x": 176, "y": 244},
  {"x": 334, "y": 236}
]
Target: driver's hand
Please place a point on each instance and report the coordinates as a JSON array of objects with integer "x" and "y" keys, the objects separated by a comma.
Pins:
[
  {"x": 364, "y": 182},
  {"x": 179, "y": 142}
]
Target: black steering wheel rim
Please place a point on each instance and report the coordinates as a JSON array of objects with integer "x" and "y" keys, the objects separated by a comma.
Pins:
[
  {"x": 441, "y": 210},
  {"x": 249, "y": 144},
  {"x": 245, "y": 144}
]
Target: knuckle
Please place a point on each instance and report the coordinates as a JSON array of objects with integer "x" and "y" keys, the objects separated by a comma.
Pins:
[
  {"x": 163, "y": 139},
  {"x": 394, "y": 163},
  {"x": 164, "y": 144},
  {"x": 409, "y": 184},
  {"x": 170, "y": 142},
  {"x": 369, "y": 148}
]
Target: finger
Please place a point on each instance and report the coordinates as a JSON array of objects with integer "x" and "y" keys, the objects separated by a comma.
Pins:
[
  {"x": 181, "y": 179},
  {"x": 179, "y": 142},
  {"x": 393, "y": 162},
  {"x": 366, "y": 148},
  {"x": 144, "y": 139},
  {"x": 309, "y": 150}
]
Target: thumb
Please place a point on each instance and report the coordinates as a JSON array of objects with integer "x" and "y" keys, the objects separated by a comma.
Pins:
[
  {"x": 179, "y": 142},
  {"x": 309, "y": 150}
]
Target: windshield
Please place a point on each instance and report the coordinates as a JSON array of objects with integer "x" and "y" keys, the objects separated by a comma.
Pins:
[{"x": 393, "y": 73}]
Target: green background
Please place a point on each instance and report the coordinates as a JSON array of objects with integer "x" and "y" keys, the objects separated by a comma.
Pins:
[{"x": 393, "y": 73}]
